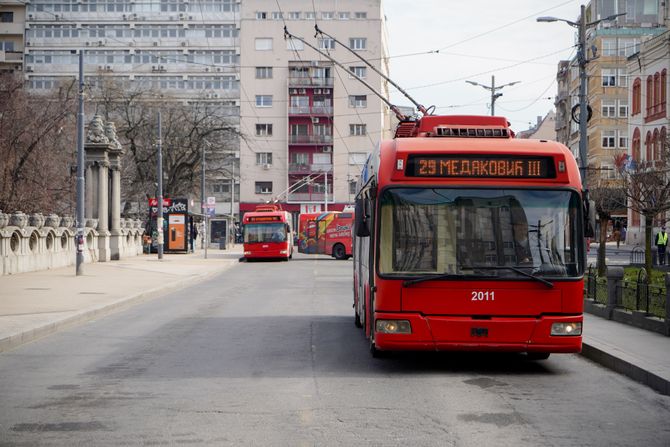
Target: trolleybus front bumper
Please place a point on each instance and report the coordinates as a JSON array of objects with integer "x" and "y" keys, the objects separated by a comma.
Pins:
[{"x": 465, "y": 333}]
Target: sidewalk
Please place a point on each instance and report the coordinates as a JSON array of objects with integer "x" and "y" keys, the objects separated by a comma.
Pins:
[
  {"x": 33, "y": 305},
  {"x": 36, "y": 304}
]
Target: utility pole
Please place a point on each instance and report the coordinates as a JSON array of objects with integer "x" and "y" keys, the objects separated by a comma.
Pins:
[
  {"x": 493, "y": 90},
  {"x": 203, "y": 209},
  {"x": 159, "y": 218},
  {"x": 80, "y": 171},
  {"x": 232, "y": 202},
  {"x": 582, "y": 115},
  {"x": 325, "y": 175}
]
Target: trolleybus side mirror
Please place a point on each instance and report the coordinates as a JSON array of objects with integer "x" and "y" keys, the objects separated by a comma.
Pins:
[
  {"x": 590, "y": 218},
  {"x": 361, "y": 227}
]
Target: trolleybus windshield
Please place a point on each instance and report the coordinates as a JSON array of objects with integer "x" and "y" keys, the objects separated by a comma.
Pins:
[
  {"x": 264, "y": 232},
  {"x": 479, "y": 232}
]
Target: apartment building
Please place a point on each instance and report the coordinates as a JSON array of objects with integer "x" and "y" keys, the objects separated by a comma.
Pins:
[
  {"x": 12, "y": 24},
  {"x": 308, "y": 123},
  {"x": 186, "y": 51}
]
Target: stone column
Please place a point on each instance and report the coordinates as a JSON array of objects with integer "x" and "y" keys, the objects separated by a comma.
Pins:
[
  {"x": 103, "y": 211},
  {"x": 614, "y": 278},
  {"x": 117, "y": 238},
  {"x": 89, "y": 201}
]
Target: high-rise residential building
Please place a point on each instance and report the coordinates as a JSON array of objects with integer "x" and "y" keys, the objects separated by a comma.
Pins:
[
  {"x": 308, "y": 123},
  {"x": 12, "y": 24},
  {"x": 185, "y": 51}
]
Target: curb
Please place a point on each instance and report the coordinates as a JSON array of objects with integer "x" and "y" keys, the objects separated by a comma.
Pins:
[
  {"x": 626, "y": 368},
  {"x": 84, "y": 316}
]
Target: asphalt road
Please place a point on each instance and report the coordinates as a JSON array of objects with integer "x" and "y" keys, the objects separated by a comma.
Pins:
[{"x": 268, "y": 354}]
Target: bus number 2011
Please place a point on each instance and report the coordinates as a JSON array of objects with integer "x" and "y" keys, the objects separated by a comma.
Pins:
[{"x": 478, "y": 295}]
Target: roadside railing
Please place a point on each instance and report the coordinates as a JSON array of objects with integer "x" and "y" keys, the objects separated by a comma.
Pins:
[{"x": 634, "y": 302}]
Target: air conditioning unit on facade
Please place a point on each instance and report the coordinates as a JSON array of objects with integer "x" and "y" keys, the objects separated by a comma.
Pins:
[
  {"x": 155, "y": 44},
  {"x": 315, "y": 120},
  {"x": 317, "y": 91},
  {"x": 29, "y": 68},
  {"x": 267, "y": 166},
  {"x": 183, "y": 44},
  {"x": 302, "y": 91},
  {"x": 326, "y": 91},
  {"x": 327, "y": 149},
  {"x": 293, "y": 91}
]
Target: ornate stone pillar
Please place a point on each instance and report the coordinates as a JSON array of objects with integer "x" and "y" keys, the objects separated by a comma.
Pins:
[
  {"x": 96, "y": 149},
  {"x": 115, "y": 152}
]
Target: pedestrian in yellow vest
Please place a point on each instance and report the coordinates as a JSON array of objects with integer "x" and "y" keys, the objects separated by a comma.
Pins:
[{"x": 661, "y": 244}]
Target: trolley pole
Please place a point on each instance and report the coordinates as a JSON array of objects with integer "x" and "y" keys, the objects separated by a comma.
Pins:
[
  {"x": 80, "y": 171},
  {"x": 159, "y": 218}
]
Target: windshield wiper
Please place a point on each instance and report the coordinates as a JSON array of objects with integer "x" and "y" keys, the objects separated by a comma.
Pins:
[
  {"x": 409, "y": 282},
  {"x": 515, "y": 269}
]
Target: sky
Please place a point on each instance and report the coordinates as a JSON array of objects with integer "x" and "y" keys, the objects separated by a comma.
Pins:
[{"x": 436, "y": 45}]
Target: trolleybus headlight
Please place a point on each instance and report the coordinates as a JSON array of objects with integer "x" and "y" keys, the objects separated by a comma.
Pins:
[
  {"x": 283, "y": 252},
  {"x": 393, "y": 327},
  {"x": 566, "y": 329},
  {"x": 247, "y": 252}
]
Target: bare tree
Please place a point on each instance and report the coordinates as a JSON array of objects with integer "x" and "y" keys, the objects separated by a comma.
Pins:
[
  {"x": 37, "y": 147},
  {"x": 609, "y": 196},
  {"x": 188, "y": 128},
  {"x": 647, "y": 188}
]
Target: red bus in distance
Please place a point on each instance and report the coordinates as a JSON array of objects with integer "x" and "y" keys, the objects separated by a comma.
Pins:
[
  {"x": 326, "y": 233},
  {"x": 469, "y": 239},
  {"x": 267, "y": 233}
]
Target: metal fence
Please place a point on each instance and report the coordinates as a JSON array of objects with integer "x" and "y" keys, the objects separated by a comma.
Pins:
[
  {"x": 632, "y": 295},
  {"x": 595, "y": 288}
]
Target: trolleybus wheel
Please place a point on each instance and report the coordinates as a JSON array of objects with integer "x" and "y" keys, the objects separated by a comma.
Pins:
[
  {"x": 357, "y": 318},
  {"x": 339, "y": 252}
]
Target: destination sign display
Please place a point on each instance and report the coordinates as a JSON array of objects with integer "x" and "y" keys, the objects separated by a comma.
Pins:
[
  {"x": 264, "y": 219},
  {"x": 480, "y": 166}
]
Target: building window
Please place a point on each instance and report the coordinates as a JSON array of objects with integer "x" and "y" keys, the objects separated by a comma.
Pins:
[
  {"x": 300, "y": 158},
  {"x": 263, "y": 72},
  {"x": 277, "y": 15},
  {"x": 623, "y": 108},
  {"x": 263, "y": 130},
  {"x": 294, "y": 44},
  {"x": 309, "y": 15},
  {"x": 263, "y": 100},
  {"x": 637, "y": 96},
  {"x": 352, "y": 186},
  {"x": 8, "y": 46},
  {"x": 263, "y": 187},
  {"x": 608, "y": 108},
  {"x": 358, "y": 101},
  {"x": 326, "y": 44},
  {"x": 361, "y": 15},
  {"x": 327, "y": 15},
  {"x": 609, "y": 77},
  {"x": 261, "y": 15},
  {"x": 357, "y": 43},
  {"x": 650, "y": 95},
  {"x": 294, "y": 15},
  {"x": 357, "y": 129},
  {"x": 609, "y": 138},
  {"x": 264, "y": 43},
  {"x": 609, "y": 47},
  {"x": 623, "y": 139},
  {"x": 361, "y": 72},
  {"x": 264, "y": 158},
  {"x": 219, "y": 188},
  {"x": 357, "y": 158},
  {"x": 7, "y": 17},
  {"x": 636, "y": 144},
  {"x": 343, "y": 15}
]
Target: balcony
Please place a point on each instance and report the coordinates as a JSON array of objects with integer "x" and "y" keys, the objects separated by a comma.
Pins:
[
  {"x": 315, "y": 110},
  {"x": 11, "y": 56},
  {"x": 310, "y": 139},
  {"x": 298, "y": 168},
  {"x": 303, "y": 81}
]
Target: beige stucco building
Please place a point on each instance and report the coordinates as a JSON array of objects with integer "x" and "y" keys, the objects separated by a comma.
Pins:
[{"x": 12, "y": 25}]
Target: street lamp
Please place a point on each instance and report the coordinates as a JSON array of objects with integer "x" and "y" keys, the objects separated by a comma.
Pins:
[
  {"x": 582, "y": 26},
  {"x": 493, "y": 89}
]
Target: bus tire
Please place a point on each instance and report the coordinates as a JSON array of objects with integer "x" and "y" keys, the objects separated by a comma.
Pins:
[
  {"x": 357, "y": 318},
  {"x": 339, "y": 252},
  {"x": 537, "y": 355}
]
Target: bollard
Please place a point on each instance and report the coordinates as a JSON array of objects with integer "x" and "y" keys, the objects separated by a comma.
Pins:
[
  {"x": 614, "y": 278},
  {"x": 667, "y": 304}
]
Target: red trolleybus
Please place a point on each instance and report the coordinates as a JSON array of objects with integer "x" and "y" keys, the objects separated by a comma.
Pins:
[
  {"x": 327, "y": 233},
  {"x": 469, "y": 239},
  {"x": 267, "y": 233}
]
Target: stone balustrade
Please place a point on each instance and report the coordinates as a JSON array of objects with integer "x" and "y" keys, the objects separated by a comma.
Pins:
[{"x": 37, "y": 242}]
